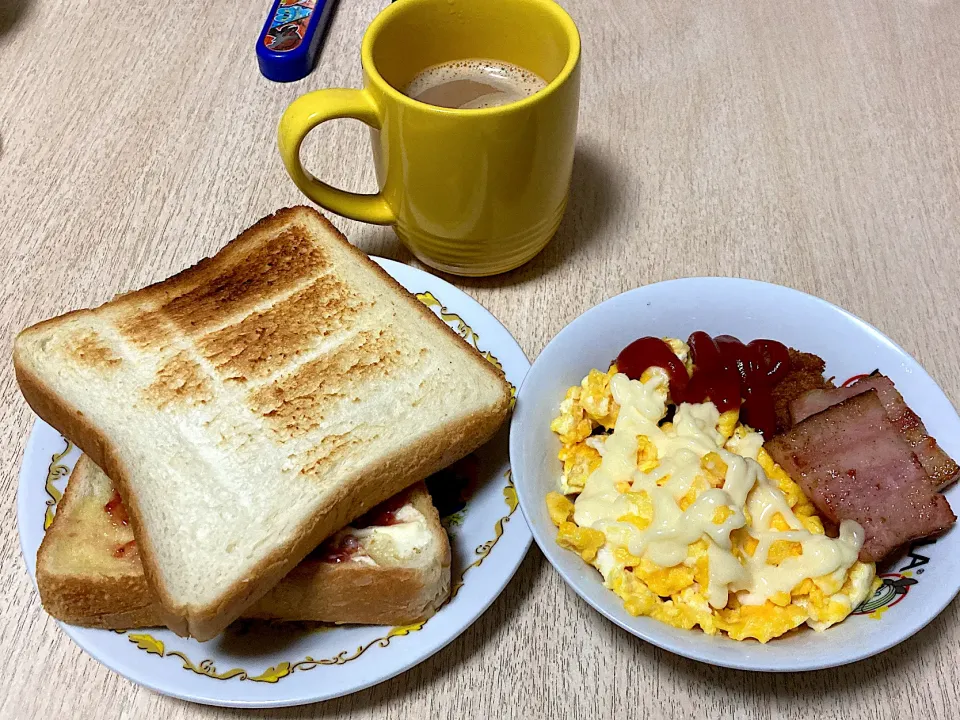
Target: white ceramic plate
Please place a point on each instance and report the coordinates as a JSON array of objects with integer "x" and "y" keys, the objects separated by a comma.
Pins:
[
  {"x": 266, "y": 667},
  {"x": 916, "y": 588}
]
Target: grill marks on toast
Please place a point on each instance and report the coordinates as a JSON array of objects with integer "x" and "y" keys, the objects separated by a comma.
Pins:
[
  {"x": 312, "y": 461},
  {"x": 180, "y": 380},
  {"x": 291, "y": 304},
  {"x": 266, "y": 341},
  {"x": 293, "y": 405},
  {"x": 146, "y": 331},
  {"x": 266, "y": 271},
  {"x": 91, "y": 351},
  {"x": 290, "y": 356}
]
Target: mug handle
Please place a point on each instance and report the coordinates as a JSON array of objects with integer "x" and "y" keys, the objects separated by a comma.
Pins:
[{"x": 302, "y": 116}]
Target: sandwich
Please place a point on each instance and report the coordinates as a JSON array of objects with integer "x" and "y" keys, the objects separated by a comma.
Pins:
[
  {"x": 390, "y": 567},
  {"x": 253, "y": 405}
]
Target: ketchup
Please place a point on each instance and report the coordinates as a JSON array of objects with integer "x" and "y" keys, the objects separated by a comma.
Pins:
[
  {"x": 727, "y": 372},
  {"x": 116, "y": 510},
  {"x": 650, "y": 352},
  {"x": 856, "y": 378}
]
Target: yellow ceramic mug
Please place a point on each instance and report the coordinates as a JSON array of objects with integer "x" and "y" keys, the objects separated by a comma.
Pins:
[{"x": 471, "y": 192}]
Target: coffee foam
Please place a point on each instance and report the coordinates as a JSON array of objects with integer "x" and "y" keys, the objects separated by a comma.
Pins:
[{"x": 508, "y": 83}]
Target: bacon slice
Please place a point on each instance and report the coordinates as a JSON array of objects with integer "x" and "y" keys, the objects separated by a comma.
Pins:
[
  {"x": 941, "y": 468},
  {"x": 854, "y": 463},
  {"x": 806, "y": 373}
]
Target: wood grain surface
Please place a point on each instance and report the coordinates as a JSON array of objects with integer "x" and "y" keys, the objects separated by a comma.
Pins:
[{"x": 811, "y": 143}]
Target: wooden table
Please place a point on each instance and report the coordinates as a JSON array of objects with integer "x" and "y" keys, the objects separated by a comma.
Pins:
[{"x": 812, "y": 143}]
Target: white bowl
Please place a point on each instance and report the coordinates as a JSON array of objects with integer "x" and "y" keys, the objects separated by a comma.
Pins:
[{"x": 748, "y": 310}]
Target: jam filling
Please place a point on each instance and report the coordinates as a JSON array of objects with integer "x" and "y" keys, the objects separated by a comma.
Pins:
[
  {"x": 116, "y": 510},
  {"x": 338, "y": 550}
]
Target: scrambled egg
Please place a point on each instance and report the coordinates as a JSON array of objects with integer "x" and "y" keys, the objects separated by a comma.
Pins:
[
  {"x": 691, "y": 522},
  {"x": 586, "y": 408}
]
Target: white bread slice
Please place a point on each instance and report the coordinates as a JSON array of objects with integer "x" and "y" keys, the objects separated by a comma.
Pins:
[
  {"x": 249, "y": 407},
  {"x": 89, "y": 571}
]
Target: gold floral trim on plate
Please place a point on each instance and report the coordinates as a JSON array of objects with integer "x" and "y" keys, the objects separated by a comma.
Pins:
[
  {"x": 510, "y": 498},
  {"x": 153, "y": 646},
  {"x": 466, "y": 332},
  {"x": 55, "y": 471},
  {"x": 207, "y": 667}
]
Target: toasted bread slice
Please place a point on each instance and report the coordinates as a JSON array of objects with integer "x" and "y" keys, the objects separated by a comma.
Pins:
[
  {"x": 393, "y": 568},
  {"x": 256, "y": 403}
]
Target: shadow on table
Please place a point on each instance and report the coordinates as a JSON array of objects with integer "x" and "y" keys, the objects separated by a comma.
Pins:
[
  {"x": 12, "y": 12},
  {"x": 432, "y": 671}
]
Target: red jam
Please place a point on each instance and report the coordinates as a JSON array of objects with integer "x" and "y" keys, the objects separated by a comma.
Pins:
[
  {"x": 727, "y": 372},
  {"x": 116, "y": 510},
  {"x": 337, "y": 552},
  {"x": 126, "y": 550},
  {"x": 383, "y": 515}
]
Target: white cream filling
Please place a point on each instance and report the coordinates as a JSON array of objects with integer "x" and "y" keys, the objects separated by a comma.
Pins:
[{"x": 401, "y": 542}]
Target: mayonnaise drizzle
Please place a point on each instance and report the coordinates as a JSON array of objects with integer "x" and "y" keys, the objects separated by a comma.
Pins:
[{"x": 671, "y": 531}]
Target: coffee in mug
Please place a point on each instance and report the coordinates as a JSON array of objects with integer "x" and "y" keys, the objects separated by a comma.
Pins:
[
  {"x": 470, "y": 191},
  {"x": 473, "y": 84}
]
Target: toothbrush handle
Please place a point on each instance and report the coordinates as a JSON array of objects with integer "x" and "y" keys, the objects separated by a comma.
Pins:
[{"x": 288, "y": 46}]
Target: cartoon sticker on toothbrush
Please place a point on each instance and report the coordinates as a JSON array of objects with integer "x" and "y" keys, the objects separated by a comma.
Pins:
[{"x": 289, "y": 24}]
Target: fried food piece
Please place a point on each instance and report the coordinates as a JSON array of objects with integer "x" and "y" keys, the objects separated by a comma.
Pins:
[{"x": 805, "y": 374}]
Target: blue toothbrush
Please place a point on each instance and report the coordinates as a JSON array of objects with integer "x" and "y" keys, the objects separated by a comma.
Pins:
[{"x": 289, "y": 44}]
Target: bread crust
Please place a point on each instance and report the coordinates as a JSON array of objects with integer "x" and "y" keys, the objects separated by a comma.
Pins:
[
  {"x": 348, "y": 592},
  {"x": 362, "y": 594},
  {"x": 445, "y": 445}
]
